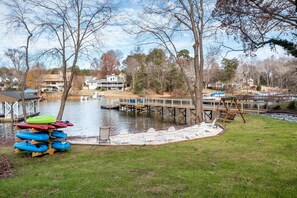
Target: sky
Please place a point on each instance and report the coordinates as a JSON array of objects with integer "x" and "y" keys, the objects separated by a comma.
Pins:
[{"x": 112, "y": 38}]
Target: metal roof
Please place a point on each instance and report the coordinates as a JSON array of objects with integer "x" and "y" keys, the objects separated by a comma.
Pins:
[{"x": 13, "y": 96}]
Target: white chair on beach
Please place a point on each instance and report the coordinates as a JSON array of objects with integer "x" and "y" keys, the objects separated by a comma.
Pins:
[
  {"x": 169, "y": 135},
  {"x": 213, "y": 124},
  {"x": 104, "y": 135},
  {"x": 171, "y": 129},
  {"x": 125, "y": 137},
  {"x": 122, "y": 138},
  {"x": 190, "y": 132},
  {"x": 150, "y": 135},
  {"x": 208, "y": 128},
  {"x": 196, "y": 131}
]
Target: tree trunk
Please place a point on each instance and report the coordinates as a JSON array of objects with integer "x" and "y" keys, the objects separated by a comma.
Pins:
[
  {"x": 63, "y": 102},
  {"x": 26, "y": 73},
  {"x": 198, "y": 84},
  {"x": 23, "y": 94},
  {"x": 133, "y": 82}
]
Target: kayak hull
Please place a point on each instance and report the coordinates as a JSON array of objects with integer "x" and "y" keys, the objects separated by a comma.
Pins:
[
  {"x": 25, "y": 146},
  {"x": 41, "y": 127},
  {"x": 40, "y": 136},
  {"x": 61, "y": 145},
  {"x": 59, "y": 125},
  {"x": 42, "y": 119},
  {"x": 66, "y": 122},
  {"x": 58, "y": 134}
]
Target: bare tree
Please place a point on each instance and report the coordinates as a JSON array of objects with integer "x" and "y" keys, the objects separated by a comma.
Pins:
[
  {"x": 162, "y": 20},
  {"x": 17, "y": 57},
  {"x": 34, "y": 76},
  {"x": 211, "y": 66},
  {"x": 257, "y": 23},
  {"x": 19, "y": 17},
  {"x": 74, "y": 26}
]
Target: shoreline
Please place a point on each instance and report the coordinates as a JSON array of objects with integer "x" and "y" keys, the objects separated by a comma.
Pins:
[{"x": 107, "y": 94}]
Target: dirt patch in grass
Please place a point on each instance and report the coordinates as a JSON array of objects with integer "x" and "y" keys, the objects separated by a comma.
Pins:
[
  {"x": 6, "y": 141},
  {"x": 6, "y": 167}
]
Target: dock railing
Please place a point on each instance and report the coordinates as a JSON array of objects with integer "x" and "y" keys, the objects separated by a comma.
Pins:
[{"x": 210, "y": 105}]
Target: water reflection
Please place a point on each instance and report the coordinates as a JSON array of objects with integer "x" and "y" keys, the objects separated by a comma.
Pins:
[{"x": 88, "y": 116}]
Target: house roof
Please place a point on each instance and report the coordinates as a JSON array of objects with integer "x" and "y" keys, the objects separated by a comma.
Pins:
[
  {"x": 93, "y": 81},
  {"x": 52, "y": 77},
  {"x": 89, "y": 78},
  {"x": 103, "y": 81},
  {"x": 13, "y": 96}
]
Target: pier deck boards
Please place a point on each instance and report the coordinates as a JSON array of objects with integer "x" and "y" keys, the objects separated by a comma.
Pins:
[{"x": 178, "y": 108}]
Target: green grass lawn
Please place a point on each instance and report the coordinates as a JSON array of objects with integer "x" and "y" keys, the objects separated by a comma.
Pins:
[{"x": 256, "y": 159}]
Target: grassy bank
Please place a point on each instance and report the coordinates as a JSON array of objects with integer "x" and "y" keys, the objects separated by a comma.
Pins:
[{"x": 256, "y": 159}]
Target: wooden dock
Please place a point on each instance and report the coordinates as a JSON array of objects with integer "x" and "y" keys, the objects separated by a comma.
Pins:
[{"x": 182, "y": 111}]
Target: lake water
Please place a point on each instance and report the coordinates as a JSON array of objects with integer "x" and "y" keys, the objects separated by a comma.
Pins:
[{"x": 88, "y": 116}]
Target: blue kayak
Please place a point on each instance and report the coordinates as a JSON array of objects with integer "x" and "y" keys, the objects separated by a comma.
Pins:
[
  {"x": 39, "y": 136},
  {"x": 25, "y": 146},
  {"x": 59, "y": 134},
  {"x": 61, "y": 145}
]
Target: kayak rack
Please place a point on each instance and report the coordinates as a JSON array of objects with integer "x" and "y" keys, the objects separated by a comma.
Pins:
[{"x": 31, "y": 144}]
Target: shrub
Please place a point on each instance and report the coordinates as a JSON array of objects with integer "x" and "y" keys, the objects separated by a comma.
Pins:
[
  {"x": 259, "y": 87},
  {"x": 277, "y": 107},
  {"x": 292, "y": 105}
]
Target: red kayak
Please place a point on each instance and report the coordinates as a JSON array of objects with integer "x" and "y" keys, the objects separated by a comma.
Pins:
[
  {"x": 66, "y": 122},
  {"x": 69, "y": 123},
  {"x": 41, "y": 127},
  {"x": 59, "y": 124}
]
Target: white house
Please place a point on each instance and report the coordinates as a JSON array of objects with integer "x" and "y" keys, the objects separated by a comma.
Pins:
[
  {"x": 53, "y": 82},
  {"x": 91, "y": 82},
  {"x": 250, "y": 82},
  {"x": 112, "y": 78},
  {"x": 9, "y": 81},
  {"x": 111, "y": 82}
]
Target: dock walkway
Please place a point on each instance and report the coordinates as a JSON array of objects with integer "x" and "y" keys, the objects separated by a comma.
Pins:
[{"x": 183, "y": 108}]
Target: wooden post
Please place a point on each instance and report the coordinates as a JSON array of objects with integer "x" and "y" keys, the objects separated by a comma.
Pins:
[
  {"x": 172, "y": 112},
  {"x": 182, "y": 115}
]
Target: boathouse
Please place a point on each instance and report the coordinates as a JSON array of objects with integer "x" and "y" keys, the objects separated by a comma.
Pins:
[{"x": 11, "y": 106}]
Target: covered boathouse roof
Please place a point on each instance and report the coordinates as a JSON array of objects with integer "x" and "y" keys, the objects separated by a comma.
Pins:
[{"x": 14, "y": 96}]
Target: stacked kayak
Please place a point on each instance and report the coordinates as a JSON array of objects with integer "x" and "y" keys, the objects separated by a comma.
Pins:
[
  {"x": 59, "y": 134},
  {"x": 41, "y": 135},
  {"x": 61, "y": 145},
  {"x": 42, "y": 119},
  {"x": 26, "y": 146}
]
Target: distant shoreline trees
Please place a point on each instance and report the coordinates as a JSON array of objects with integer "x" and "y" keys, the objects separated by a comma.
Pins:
[{"x": 153, "y": 72}]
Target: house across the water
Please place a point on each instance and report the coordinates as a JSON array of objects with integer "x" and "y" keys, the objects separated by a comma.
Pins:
[
  {"x": 110, "y": 82},
  {"x": 11, "y": 109}
]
